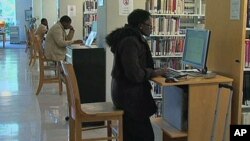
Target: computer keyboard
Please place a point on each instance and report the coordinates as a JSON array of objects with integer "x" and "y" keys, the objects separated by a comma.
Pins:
[
  {"x": 195, "y": 74},
  {"x": 172, "y": 73}
]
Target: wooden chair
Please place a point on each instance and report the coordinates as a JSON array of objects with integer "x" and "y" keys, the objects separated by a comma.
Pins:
[
  {"x": 27, "y": 41},
  {"x": 33, "y": 53},
  {"x": 46, "y": 66},
  {"x": 88, "y": 112}
]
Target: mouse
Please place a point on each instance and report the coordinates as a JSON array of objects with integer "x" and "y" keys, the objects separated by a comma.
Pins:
[{"x": 171, "y": 80}]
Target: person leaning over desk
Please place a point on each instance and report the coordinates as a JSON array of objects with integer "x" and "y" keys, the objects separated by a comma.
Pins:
[
  {"x": 57, "y": 39},
  {"x": 133, "y": 67}
]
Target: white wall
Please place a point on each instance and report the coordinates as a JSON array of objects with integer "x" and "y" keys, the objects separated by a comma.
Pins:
[
  {"x": 37, "y": 9},
  {"x": 21, "y": 6},
  {"x": 45, "y": 9},
  {"x": 49, "y": 11},
  {"x": 77, "y": 21}
]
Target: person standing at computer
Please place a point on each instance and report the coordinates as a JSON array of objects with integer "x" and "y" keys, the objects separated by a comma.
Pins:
[
  {"x": 132, "y": 69},
  {"x": 57, "y": 39}
]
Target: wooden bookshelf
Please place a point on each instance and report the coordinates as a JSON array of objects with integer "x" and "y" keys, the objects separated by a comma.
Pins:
[
  {"x": 89, "y": 16},
  {"x": 227, "y": 45},
  {"x": 170, "y": 18}
]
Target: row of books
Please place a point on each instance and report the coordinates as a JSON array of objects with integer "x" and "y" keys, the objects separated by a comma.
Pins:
[
  {"x": 157, "y": 95},
  {"x": 246, "y": 88},
  {"x": 174, "y": 63},
  {"x": 90, "y": 6},
  {"x": 247, "y": 53},
  {"x": 248, "y": 13},
  {"x": 87, "y": 29},
  {"x": 246, "y": 118},
  {"x": 156, "y": 90},
  {"x": 167, "y": 46},
  {"x": 170, "y": 6},
  {"x": 174, "y": 25},
  {"x": 89, "y": 18},
  {"x": 166, "y": 25}
]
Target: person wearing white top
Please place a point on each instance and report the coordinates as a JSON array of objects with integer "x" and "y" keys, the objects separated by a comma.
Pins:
[{"x": 42, "y": 29}]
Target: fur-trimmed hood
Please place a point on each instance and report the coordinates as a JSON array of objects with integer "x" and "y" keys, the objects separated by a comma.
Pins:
[{"x": 118, "y": 34}]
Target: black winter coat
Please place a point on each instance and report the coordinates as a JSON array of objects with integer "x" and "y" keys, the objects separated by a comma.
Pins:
[{"x": 132, "y": 68}]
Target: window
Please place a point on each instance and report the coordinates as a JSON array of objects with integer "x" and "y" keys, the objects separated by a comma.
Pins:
[{"x": 8, "y": 13}]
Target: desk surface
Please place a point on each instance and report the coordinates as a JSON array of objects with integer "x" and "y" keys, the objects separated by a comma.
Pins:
[
  {"x": 80, "y": 46},
  {"x": 193, "y": 80}
]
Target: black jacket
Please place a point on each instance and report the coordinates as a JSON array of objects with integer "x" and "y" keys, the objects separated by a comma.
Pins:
[{"x": 132, "y": 68}]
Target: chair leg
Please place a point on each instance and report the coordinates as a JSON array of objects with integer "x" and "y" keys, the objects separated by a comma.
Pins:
[
  {"x": 60, "y": 75},
  {"x": 77, "y": 130},
  {"x": 60, "y": 86},
  {"x": 71, "y": 130},
  {"x": 39, "y": 86},
  {"x": 109, "y": 129},
  {"x": 26, "y": 49},
  {"x": 120, "y": 129},
  {"x": 31, "y": 59}
]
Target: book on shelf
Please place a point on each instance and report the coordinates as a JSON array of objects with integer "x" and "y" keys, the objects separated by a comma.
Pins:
[
  {"x": 167, "y": 46},
  {"x": 173, "y": 62},
  {"x": 90, "y": 6},
  {"x": 246, "y": 87},
  {"x": 89, "y": 16},
  {"x": 247, "y": 53},
  {"x": 248, "y": 13},
  {"x": 165, "y": 6}
]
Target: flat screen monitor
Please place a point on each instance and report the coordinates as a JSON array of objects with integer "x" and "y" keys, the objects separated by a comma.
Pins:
[{"x": 196, "y": 49}]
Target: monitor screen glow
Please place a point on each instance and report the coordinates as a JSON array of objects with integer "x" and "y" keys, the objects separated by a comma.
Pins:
[{"x": 196, "y": 48}]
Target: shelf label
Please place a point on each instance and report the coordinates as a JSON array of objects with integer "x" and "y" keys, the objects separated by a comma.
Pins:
[{"x": 235, "y": 10}]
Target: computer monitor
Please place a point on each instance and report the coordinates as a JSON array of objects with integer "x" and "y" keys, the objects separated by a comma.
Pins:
[{"x": 196, "y": 49}]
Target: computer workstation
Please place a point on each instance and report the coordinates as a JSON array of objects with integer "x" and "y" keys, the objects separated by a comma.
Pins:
[
  {"x": 194, "y": 56},
  {"x": 192, "y": 101}
]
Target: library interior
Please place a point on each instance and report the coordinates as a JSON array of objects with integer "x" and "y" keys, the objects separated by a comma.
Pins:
[{"x": 205, "y": 48}]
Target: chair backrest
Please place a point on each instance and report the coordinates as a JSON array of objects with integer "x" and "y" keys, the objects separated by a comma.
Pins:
[
  {"x": 72, "y": 89},
  {"x": 27, "y": 35},
  {"x": 37, "y": 46}
]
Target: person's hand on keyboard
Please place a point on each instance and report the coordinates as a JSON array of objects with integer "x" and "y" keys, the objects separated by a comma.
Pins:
[
  {"x": 159, "y": 72},
  {"x": 172, "y": 73}
]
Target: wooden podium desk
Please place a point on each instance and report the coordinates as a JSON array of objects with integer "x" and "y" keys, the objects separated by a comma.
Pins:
[
  {"x": 201, "y": 100},
  {"x": 89, "y": 65}
]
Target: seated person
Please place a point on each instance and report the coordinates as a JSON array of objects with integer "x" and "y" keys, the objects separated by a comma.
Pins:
[
  {"x": 42, "y": 29},
  {"x": 57, "y": 39}
]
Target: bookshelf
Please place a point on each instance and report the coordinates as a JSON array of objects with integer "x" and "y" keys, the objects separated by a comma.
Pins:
[
  {"x": 89, "y": 16},
  {"x": 246, "y": 77},
  {"x": 170, "y": 18},
  {"x": 227, "y": 46}
]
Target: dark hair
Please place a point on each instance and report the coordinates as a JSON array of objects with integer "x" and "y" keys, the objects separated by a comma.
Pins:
[
  {"x": 138, "y": 16},
  {"x": 65, "y": 19},
  {"x": 43, "y": 20}
]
